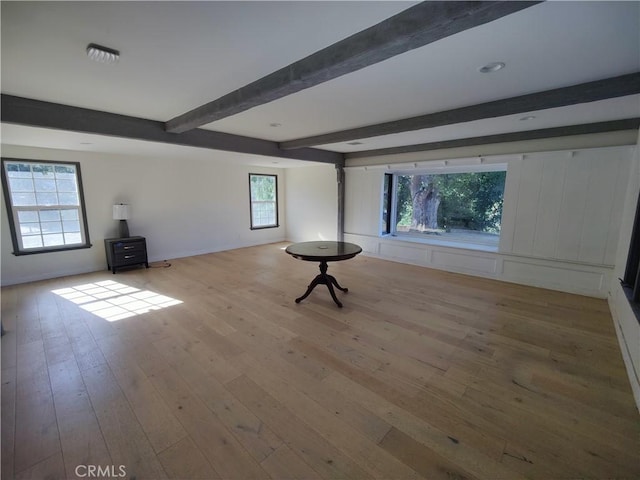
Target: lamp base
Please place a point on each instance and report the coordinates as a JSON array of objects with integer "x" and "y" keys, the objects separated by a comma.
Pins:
[{"x": 123, "y": 229}]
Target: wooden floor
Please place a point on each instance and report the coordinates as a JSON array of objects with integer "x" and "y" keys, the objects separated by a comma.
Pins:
[{"x": 422, "y": 374}]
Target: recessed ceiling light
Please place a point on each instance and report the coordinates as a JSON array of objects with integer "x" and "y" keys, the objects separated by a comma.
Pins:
[
  {"x": 275, "y": 124},
  {"x": 102, "y": 54},
  {"x": 354, "y": 143},
  {"x": 492, "y": 67},
  {"x": 528, "y": 117}
]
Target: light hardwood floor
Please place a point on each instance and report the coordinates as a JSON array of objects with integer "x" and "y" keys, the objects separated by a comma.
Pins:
[{"x": 422, "y": 374}]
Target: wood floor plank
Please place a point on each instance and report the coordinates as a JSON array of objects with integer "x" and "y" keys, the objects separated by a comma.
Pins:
[
  {"x": 58, "y": 349},
  {"x": 370, "y": 425},
  {"x": 51, "y": 468},
  {"x": 223, "y": 451},
  {"x": 80, "y": 435},
  {"x": 323, "y": 457},
  {"x": 128, "y": 445},
  {"x": 256, "y": 438},
  {"x": 423, "y": 460},
  {"x": 422, "y": 373},
  {"x": 371, "y": 352},
  {"x": 285, "y": 464},
  {"x": 330, "y": 426},
  {"x": 516, "y": 386},
  {"x": 443, "y": 418},
  {"x": 8, "y": 421},
  {"x": 185, "y": 347},
  {"x": 455, "y": 449},
  {"x": 562, "y": 445},
  {"x": 159, "y": 423},
  {"x": 36, "y": 429},
  {"x": 184, "y": 460},
  {"x": 26, "y": 320}
]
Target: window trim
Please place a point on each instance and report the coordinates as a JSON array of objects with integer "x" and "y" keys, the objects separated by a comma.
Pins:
[
  {"x": 17, "y": 251},
  {"x": 251, "y": 201},
  {"x": 388, "y": 189}
]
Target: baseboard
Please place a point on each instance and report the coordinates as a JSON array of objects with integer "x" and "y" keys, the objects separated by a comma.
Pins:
[{"x": 570, "y": 277}]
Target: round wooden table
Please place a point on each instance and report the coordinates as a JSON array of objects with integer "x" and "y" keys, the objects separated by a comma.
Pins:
[{"x": 323, "y": 252}]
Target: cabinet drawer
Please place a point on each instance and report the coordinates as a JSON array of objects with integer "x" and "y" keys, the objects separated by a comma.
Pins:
[
  {"x": 128, "y": 247},
  {"x": 129, "y": 258}
]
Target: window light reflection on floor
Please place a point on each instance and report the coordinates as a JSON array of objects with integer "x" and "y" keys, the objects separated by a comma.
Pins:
[{"x": 114, "y": 301}]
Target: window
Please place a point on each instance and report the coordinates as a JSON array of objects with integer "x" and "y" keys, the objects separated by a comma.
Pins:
[
  {"x": 263, "y": 191},
  {"x": 631, "y": 280},
  {"x": 45, "y": 206},
  {"x": 450, "y": 207}
]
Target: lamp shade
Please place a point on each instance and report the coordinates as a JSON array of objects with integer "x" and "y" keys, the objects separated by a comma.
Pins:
[{"x": 121, "y": 212}]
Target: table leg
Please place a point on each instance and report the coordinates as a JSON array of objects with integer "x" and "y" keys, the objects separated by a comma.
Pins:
[
  {"x": 336, "y": 284},
  {"x": 324, "y": 279}
]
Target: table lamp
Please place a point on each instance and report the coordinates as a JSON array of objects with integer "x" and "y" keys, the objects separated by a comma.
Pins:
[{"x": 122, "y": 212}]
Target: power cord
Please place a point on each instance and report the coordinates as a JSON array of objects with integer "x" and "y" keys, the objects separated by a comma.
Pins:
[{"x": 163, "y": 264}]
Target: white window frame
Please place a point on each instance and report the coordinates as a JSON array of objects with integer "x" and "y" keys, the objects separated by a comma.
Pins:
[{"x": 14, "y": 211}]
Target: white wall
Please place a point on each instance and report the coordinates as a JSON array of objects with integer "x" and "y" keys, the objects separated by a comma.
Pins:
[
  {"x": 561, "y": 218},
  {"x": 312, "y": 206},
  {"x": 183, "y": 207},
  {"x": 626, "y": 323}
]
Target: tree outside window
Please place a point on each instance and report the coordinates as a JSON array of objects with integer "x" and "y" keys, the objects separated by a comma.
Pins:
[
  {"x": 263, "y": 191},
  {"x": 453, "y": 206}
]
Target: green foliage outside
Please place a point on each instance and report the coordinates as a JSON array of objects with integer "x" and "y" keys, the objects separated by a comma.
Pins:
[
  {"x": 263, "y": 188},
  {"x": 468, "y": 201}
]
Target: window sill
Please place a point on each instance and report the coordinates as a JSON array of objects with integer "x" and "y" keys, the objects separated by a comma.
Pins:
[
  {"x": 635, "y": 306},
  {"x": 20, "y": 253},
  {"x": 264, "y": 227},
  {"x": 442, "y": 242}
]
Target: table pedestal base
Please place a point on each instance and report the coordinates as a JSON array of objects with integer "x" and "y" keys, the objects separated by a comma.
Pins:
[{"x": 324, "y": 279}]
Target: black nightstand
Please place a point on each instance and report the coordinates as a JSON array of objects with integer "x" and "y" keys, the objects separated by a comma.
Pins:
[{"x": 126, "y": 252}]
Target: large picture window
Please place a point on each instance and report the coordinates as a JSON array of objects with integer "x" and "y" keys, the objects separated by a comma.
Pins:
[
  {"x": 45, "y": 205},
  {"x": 452, "y": 207},
  {"x": 263, "y": 190}
]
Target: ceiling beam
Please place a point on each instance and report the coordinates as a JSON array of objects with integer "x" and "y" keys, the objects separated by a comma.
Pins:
[
  {"x": 559, "y": 97},
  {"x": 583, "y": 129},
  {"x": 35, "y": 113},
  {"x": 415, "y": 27}
]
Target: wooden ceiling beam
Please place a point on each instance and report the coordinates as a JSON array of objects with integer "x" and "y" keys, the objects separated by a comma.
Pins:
[
  {"x": 35, "y": 113},
  {"x": 415, "y": 27},
  {"x": 560, "y": 97},
  {"x": 583, "y": 129}
]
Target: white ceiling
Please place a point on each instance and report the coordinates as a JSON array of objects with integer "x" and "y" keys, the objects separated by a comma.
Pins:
[{"x": 176, "y": 56}]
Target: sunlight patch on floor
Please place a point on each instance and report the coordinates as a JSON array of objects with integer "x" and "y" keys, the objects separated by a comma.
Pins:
[{"x": 115, "y": 301}]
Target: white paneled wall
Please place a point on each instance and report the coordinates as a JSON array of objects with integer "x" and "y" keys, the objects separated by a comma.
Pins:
[
  {"x": 560, "y": 224},
  {"x": 565, "y": 205}
]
